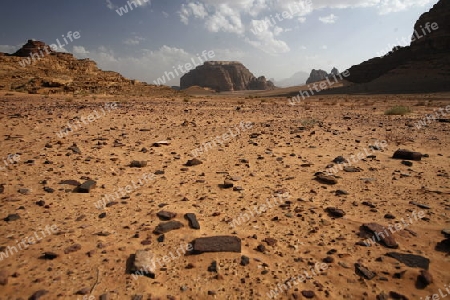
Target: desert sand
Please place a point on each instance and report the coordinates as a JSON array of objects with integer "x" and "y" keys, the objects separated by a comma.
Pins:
[{"x": 88, "y": 255}]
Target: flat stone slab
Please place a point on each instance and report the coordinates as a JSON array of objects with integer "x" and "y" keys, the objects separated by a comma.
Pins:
[
  {"x": 144, "y": 263},
  {"x": 138, "y": 164},
  {"x": 192, "y": 218},
  {"x": 335, "y": 212},
  {"x": 217, "y": 244},
  {"x": 166, "y": 227},
  {"x": 411, "y": 260},
  {"x": 381, "y": 234},
  {"x": 86, "y": 186}
]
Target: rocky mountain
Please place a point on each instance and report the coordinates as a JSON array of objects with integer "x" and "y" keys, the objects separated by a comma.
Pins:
[
  {"x": 224, "y": 76},
  {"x": 319, "y": 75},
  {"x": 424, "y": 66},
  {"x": 37, "y": 69}
]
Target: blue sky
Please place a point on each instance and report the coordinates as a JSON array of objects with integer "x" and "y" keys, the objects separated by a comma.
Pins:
[{"x": 149, "y": 40}]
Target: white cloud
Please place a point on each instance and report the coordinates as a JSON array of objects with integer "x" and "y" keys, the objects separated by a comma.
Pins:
[
  {"x": 165, "y": 14},
  {"x": 8, "y": 49},
  {"x": 80, "y": 52},
  {"x": 265, "y": 38},
  {"x": 196, "y": 10},
  {"x": 328, "y": 19},
  {"x": 110, "y": 5},
  {"x": 324, "y": 47},
  {"x": 133, "y": 41}
]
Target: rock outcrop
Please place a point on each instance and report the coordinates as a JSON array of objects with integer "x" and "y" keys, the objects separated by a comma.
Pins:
[
  {"x": 37, "y": 69},
  {"x": 224, "y": 76},
  {"x": 423, "y": 66},
  {"x": 319, "y": 75}
]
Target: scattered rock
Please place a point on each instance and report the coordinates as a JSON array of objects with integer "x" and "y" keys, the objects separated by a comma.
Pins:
[
  {"x": 192, "y": 218},
  {"x": 83, "y": 291},
  {"x": 407, "y": 155},
  {"x": 308, "y": 294},
  {"x": 144, "y": 264},
  {"x": 382, "y": 234},
  {"x": 38, "y": 295},
  {"x": 166, "y": 227},
  {"x": 70, "y": 182},
  {"x": 326, "y": 179},
  {"x": 166, "y": 215},
  {"x": 340, "y": 160},
  {"x": 364, "y": 272},
  {"x": 245, "y": 260},
  {"x": 446, "y": 232},
  {"x": 397, "y": 296},
  {"x": 411, "y": 260},
  {"x": 335, "y": 212},
  {"x": 424, "y": 279},
  {"x": 351, "y": 169},
  {"x": 12, "y": 217},
  {"x": 86, "y": 186},
  {"x": 217, "y": 244},
  {"x": 419, "y": 205},
  {"x": 407, "y": 163},
  {"x": 72, "y": 248},
  {"x": 49, "y": 256},
  {"x": 193, "y": 162},
  {"x": 161, "y": 143},
  {"x": 24, "y": 191},
  {"x": 138, "y": 164}
]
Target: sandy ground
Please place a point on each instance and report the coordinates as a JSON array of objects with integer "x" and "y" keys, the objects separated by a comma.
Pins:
[{"x": 281, "y": 152}]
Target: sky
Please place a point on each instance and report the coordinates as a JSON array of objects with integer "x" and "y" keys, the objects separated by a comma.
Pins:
[{"x": 272, "y": 38}]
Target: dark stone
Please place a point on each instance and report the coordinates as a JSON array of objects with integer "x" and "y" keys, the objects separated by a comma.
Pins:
[
  {"x": 322, "y": 178},
  {"x": 105, "y": 297},
  {"x": 364, "y": 272},
  {"x": 340, "y": 160},
  {"x": 407, "y": 163},
  {"x": 351, "y": 169},
  {"x": 308, "y": 294},
  {"x": 397, "y": 296},
  {"x": 335, "y": 212},
  {"x": 2, "y": 188},
  {"x": 38, "y": 295},
  {"x": 49, "y": 256},
  {"x": 270, "y": 241},
  {"x": 213, "y": 267},
  {"x": 419, "y": 205},
  {"x": 166, "y": 227},
  {"x": 83, "y": 291},
  {"x": 217, "y": 244},
  {"x": 75, "y": 149},
  {"x": 408, "y": 155},
  {"x": 424, "y": 279},
  {"x": 193, "y": 162},
  {"x": 138, "y": 164},
  {"x": 245, "y": 260},
  {"x": 137, "y": 297},
  {"x": 166, "y": 215},
  {"x": 193, "y": 223},
  {"x": 379, "y": 232},
  {"x": 443, "y": 246},
  {"x": 86, "y": 186},
  {"x": 102, "y": 215},
  {"x": 12, "y": 217},
  {"x": 411, "y": 260}
]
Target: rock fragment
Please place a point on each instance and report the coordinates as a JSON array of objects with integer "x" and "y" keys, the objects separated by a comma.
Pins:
[
  {"x": 411, "y": 260},
  {"x": 407, "y": 155},
  {"x": 193, "y": 162},
  {"x": 192, "y": 219},
  {"x": 382, "y": 234},
  {"x": 86, "y": 186},
  {"x": 166, "y": 215},
  {"x": 335, "y": 212},
  {"x": 364, "y": 272},
  {"x": 326, "y": 179},
  {"x": 166, "y": 227},
  {"x": 144, "y": 264},
  {"x": 217, "y": 244}
]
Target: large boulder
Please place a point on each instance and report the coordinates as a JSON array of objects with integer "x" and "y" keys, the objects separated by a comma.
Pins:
[{"x": 224, "y": 76}]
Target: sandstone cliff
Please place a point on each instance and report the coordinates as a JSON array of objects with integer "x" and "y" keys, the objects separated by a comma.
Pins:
[
  {"x": 37, "y": 69},
  {"x": 424, "y": 66},
  {"x": 224, "y": 76}
]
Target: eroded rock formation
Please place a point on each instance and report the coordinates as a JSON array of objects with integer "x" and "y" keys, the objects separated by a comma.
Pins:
[{"x": 224, "y": 76}]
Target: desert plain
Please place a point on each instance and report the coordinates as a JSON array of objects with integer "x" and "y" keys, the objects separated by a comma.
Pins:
[{"x": 87, "y": 256}]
